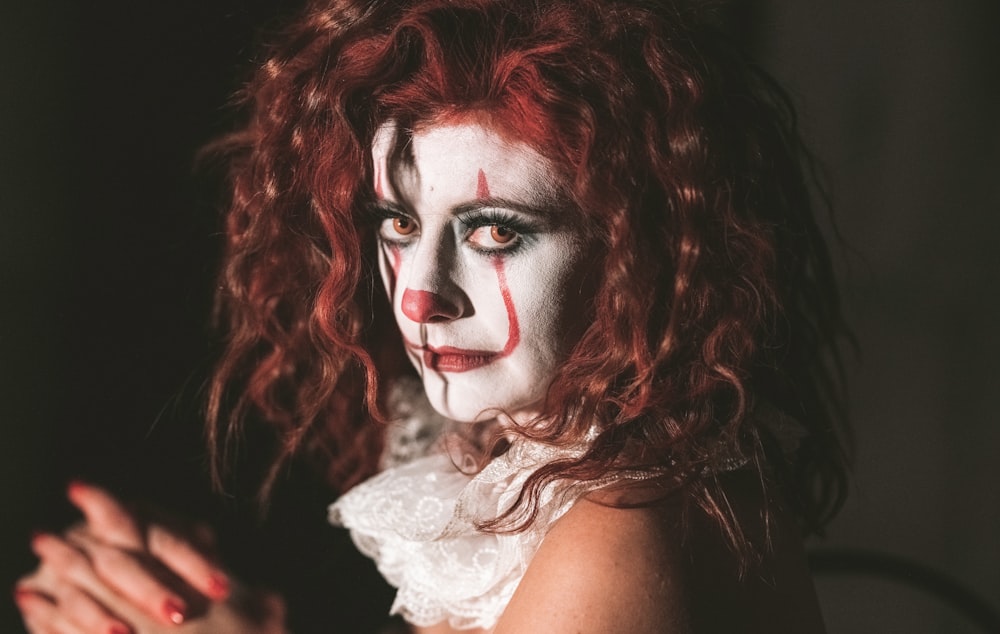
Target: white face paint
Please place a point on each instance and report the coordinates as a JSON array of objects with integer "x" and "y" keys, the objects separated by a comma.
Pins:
[{"x": 482, "y": 262}]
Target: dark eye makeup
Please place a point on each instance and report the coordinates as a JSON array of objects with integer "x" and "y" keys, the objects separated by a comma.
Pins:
[{"x": 508, "y": 232}]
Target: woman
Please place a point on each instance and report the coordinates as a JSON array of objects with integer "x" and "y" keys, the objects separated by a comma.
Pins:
[{"x": 588, "y": 222}]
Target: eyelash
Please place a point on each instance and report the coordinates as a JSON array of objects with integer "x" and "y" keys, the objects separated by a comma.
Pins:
[
  {"x": 470, "y": 221},
  {"x": 494, "y": 217}
]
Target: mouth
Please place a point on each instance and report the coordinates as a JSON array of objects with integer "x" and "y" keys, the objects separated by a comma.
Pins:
[{"x": 450, "y": 359}]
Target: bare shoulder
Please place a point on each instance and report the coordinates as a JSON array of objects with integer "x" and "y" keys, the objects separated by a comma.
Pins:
[
  {"x": 609, "y": 570},
  {"x": 604, "y": 569}
]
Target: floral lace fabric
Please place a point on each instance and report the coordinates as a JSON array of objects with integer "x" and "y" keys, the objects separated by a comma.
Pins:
[{"x": 417, "y": 520}]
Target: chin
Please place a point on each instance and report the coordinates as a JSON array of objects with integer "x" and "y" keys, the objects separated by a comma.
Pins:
[{"x": 461, "y": 402}]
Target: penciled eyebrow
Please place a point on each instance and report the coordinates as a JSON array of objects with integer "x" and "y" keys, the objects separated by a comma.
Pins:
[
  {"x": 384, "y": 208},
  {"x": 543, "y": 213}
]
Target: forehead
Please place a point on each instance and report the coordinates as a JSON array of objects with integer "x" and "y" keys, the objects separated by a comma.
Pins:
[{"x": 452, "y": 155}]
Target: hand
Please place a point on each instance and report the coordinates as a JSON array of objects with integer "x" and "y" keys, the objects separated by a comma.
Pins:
[
  {"x": 113, "y": 575},
  {"x": 52, "y": 606}
]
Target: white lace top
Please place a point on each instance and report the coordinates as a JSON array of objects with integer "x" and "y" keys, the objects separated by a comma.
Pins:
[{"x": 417, "y": 520}]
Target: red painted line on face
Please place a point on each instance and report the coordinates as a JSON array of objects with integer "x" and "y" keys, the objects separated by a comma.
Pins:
[
  {"x": 397, "y": 258},
  {"x": 513, "y": 328},
  {"x": 482, "y": 187},
  {"x": 420, "y": 305},
  {"x": 392, "y": 260}
]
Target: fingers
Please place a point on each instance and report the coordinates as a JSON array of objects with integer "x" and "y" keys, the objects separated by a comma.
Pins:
[
  {"x": 188, "y": 563},
  {"x": 72, "y": 612},
  {"x": 107, "y": 519},
  {"x": 110, "y": 522},
  {"x": 41, "y": 615},
  {"x": 67, "y": 610},
  {"x": 124, "y": 576},
  {"x": 84, "y": 611},
  {"x": 203, "y": 537}
]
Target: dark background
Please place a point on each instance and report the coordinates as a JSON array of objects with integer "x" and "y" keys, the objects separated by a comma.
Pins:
[
  {"x": 901, "y": 101},
  {"x": 108, "y": 240}
]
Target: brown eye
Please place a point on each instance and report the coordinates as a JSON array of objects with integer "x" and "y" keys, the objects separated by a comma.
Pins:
[
  {"x": 403, "y": 226},
  {"x": 501, "y": 234}
]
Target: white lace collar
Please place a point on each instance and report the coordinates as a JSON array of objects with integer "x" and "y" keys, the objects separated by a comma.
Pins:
[
  {"x": 417, "y": 519},
  {"x": 418, "y": 522}
]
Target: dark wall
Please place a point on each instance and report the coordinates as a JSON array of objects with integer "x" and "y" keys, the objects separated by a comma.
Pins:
[
  {"x": 108, "y": 242},
  {"x": 900, "y": 100},
  {"x": 108, "y": 245}
]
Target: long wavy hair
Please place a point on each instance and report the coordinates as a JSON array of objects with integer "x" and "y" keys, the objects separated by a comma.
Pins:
[{"x": 715, "y": 309}]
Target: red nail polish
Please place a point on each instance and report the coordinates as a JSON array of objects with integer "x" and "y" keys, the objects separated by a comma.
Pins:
[
  {"x": 174, "y": 611},
  {"x": 20, "y": 594},
  {"x": 75, "y": 487},
  {"x": 37, "y": 535},
  {"x": 218, "y": 586},
  {"x": 118, "y": 628}
]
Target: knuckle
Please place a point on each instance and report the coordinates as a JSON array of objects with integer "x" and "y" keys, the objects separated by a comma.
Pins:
[
  {"x": 26, "y": 581},
  {"x": 83, "y": 610},
  {"x": 110, "y": 561},
  {"x": 175, "y": 551},
  {"x": 69, "y": 598},
  {"x": 163, "y": 539},
  {"x": 32, "y": 626},
  {"x": 78, "y": 533},
  {"x": 71, "y": 563}
]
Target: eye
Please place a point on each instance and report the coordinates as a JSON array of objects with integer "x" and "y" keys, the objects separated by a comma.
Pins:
[
  {"x": 494, "y": 238},
  {"x": 502, "y": 234},
  {"x": 497, "y": 231},
  {"x": 403, "y": 226},
  {"x": 395, "y": 227}
]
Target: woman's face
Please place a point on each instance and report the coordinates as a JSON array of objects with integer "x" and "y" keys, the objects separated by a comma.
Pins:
[{"x": 483, "y": 261}]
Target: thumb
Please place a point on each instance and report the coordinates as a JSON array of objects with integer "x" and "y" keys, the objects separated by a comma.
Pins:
[{"x": 106, "y": 518}]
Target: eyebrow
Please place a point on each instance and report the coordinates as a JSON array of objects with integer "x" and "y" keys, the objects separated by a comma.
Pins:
[
  {"x": 545, "y": 213},
  {"x": 382, "y": 206}
]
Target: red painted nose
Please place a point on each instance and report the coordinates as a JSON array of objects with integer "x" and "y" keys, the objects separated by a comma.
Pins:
[{"x": 426, "y": 307}]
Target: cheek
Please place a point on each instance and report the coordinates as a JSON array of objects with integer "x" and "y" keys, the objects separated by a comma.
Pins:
[{"x": 545, "y": 295}]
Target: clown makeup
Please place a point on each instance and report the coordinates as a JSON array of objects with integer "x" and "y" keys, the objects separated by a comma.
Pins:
[{"x": 482, "y": 262}]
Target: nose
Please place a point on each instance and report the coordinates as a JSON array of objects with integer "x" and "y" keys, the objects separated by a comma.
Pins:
[{"x": 427, "y": 307}]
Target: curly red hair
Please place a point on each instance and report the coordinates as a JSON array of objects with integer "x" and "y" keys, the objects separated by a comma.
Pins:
[{"x": 715, "y": 297}]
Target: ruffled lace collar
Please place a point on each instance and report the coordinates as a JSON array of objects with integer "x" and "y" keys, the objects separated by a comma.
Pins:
[
  {"x": 418, "y": 522},
  {"x": 418, "y": 518}
]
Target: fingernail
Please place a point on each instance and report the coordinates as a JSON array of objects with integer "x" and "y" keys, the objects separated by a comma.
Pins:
[
  {"x": 174, "y": 611},
  {"x": 75, "y": 487},
  {"x": 218, "y": 586},
  {"x": 36, "y": 536},
  {"x": 118, "y": 628},
  {"x": 20, "y": 594}
]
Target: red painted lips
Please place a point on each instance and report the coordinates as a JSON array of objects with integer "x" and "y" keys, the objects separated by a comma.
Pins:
[{"x": 449, "y": 359}]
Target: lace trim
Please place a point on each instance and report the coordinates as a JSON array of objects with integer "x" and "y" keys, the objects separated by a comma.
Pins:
[{"x": 417, "y": 520}]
